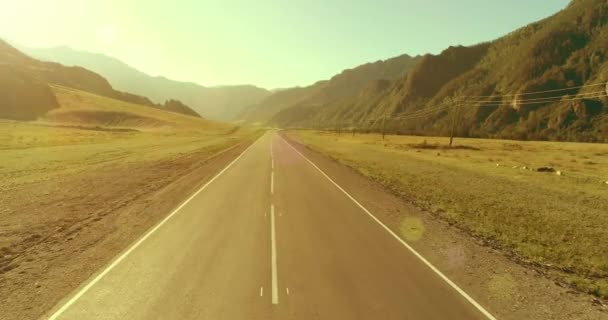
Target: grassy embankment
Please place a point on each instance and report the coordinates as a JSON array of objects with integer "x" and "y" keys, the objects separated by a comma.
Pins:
[{"x": 556, "y": 223}]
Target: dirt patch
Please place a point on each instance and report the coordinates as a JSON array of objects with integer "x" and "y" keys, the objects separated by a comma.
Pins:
[
  {"x": 507, "y": 289},
  {"x": 57, "y": 233}
]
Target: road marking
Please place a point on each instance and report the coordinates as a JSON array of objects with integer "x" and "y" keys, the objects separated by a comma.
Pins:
[
  {"x": 261, "y": 291},
  {"x": 271, "y": 155},
  {"x": 109, "y": 268},
  {"x": 272, "y": 182},
  {"x": 287, "y": 290},
  {"x": 418, "y": 255},
  {"x": 273, "y": 258}
]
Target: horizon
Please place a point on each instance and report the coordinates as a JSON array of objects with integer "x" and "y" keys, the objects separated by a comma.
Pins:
[{"x": 219, "y": 62}]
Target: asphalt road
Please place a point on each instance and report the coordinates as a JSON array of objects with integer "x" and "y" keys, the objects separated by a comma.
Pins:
[{"x": 271, "y": 237}]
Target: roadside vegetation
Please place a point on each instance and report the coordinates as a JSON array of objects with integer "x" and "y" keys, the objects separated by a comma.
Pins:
[
  {"x": 87, "y": 178},
  {"x": 544, "y": 204}
]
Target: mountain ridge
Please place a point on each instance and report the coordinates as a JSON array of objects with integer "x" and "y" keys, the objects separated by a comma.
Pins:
[
  {"x": 324, "y": 92},
  {"x": 218, "y": 103},
  {"x": 26, "y": 92},
  {"x": 566, "y": 50}
]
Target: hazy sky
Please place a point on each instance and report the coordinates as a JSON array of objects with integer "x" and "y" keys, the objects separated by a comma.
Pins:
[{"x": 264, "y": 42}]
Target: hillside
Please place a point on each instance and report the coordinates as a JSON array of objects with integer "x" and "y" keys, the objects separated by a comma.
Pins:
[
  {"x": 218, "y": 103},
  {"x": 84, "y": 109},
  {"x": 25, "y": 92},
  {"x": 325, "y": 93},
  {"x": 278, "y": 101},
  {"x": 566, "y": 50}
]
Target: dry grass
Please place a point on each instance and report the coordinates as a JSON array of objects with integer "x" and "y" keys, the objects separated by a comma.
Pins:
[
  {"x": 90, "y": 130},
  {"x": 85, "y": 109},
  {"x": 54, "y": 171},
  {"x": 554, "y": 223}
]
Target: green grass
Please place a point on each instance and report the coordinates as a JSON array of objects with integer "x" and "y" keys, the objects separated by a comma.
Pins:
[{"x": 556, "y": 223}]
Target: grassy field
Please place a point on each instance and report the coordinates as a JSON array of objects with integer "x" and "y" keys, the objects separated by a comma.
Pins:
[
  {"x": 555, "y": 222},
  {"x": 89, "y": 131},
  {"x": 82, "y": 182}
]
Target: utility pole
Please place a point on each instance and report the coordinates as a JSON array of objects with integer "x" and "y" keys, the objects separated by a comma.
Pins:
[
  {"x": 383, "y": 125},
  {"x": 454, "y": 120}
]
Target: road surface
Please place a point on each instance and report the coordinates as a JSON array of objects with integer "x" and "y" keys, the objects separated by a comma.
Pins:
[{"x": 270, "y": 237}]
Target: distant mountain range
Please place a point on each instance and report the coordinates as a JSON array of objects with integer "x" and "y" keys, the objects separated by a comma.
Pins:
[
  {"x": 25, "y": 92},
  {"x": 217, "y": 103},
  {"x": 543, "y": 81},
  {"x": 496, "y": 83},
  {"x": 324, "y": 93}
]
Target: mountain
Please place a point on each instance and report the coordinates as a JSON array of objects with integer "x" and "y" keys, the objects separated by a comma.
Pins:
[
  {"x": 22, "y": 97},
  {"x": 25, "y": 92},
  {"x": 218, "y": 103},
  {"x": 278, "y": 101},
  {"x": 325, "y": 93},
  {"x": 501, "y": 85}
]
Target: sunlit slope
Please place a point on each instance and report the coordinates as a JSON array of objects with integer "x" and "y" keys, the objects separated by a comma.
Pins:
[
  {"x": 326, "y": 93},
  {"x": 218, "y": 103},
  {"x": 79, "y": 108},
  {"x": 544, "y": 81},
  {"x": 25, "y": 82}
]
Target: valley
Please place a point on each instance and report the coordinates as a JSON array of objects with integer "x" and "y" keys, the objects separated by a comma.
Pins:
[{"x": 130, "y": 195}]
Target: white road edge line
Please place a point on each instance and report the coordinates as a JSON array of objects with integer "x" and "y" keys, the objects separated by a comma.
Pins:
[
  {"x": 273, "y": 258},
  {"x": 418, "y": 255},
  {"x": 109, "y": 268}
]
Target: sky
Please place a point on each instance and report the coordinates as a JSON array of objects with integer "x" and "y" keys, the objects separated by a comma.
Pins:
[{"x": 269, "y": 43}]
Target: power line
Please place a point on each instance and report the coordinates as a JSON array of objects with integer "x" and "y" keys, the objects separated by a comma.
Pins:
[
  {"x": 539, "y": 92},
  {"x": 557, "y": 98},
  {"x": 473, "y": 103},
  {"x": 422, "y": 113},
  {"x": 541, "y": 102},
  {"x": 430, "y": 112}
]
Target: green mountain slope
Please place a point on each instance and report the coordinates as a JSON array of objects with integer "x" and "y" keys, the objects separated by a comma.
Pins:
[
  {"x": 495, "y": 82},
  {"x": 326, "y": 93},
  {"x": 219, "y": 103}
]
